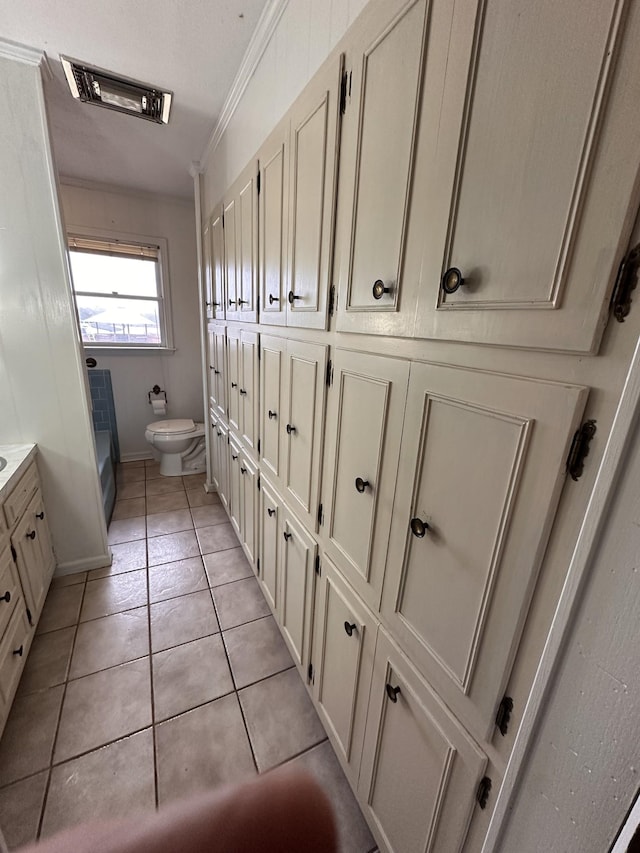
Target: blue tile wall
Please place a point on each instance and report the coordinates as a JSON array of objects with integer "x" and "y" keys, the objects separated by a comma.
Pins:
[{"x": 104, "y": 412}]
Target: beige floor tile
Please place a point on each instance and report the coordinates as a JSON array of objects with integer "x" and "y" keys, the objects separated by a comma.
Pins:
[
  {"x": 170, "y": 580},
  {"x": 152, "y": 471},
  {"x": 126, "y": 491},
  {"x": 116, "y": 780},
  {"x": 28, "y": 737},
  {"x": 202, "y": 749},
  {"x": 127, "y": 530},
  {"x": 135, "y": 463},
  {"x": 194, "y": 481},
  {"x": 48, "y": 661},
  {"x": 103, "y": 707},
  {"x": 239, "y": 602},
  {"x": 164, "y": 485},
  {"x": 175, "y": 546},
  {"x": 217, "y": 537},
  {"x": 130, "y": 475},
  {"x": 20, "y": 808},
  {"x": 114, "y": 594},
  {"x": 68, "y": 580},
  {"x": 256, "y": 650},
  {"x": 190, "y": 675},
  {"x": 203, "y": 516},
  {"x": 280, "y": 717},
  {"x": 128, "y": 509},
  {"x": 198, "y": 497},
  {"x": 126, "y": 558},
  {"x": 180, "y": 620},
  {"x": 227, "y": 566},
  {"x": 110, "y": 641},
  {"x": 353, "y": 832},
  {"x": 162, "y": 523},
  {"x": 61, "y": 608},
  {"x": 167, "y": 503}
]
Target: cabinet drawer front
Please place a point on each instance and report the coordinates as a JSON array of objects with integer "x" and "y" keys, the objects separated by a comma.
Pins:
[
  {"x": 10, "y": 589},
  {"x": 17, "y": 501},
  {"x": 13, "y": 652}
]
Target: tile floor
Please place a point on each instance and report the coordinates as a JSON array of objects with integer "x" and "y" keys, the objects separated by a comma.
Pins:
[{"x": 158, "y": 676}]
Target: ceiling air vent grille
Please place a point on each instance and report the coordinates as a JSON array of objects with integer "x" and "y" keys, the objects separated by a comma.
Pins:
[{"x": 96, "y": 86}]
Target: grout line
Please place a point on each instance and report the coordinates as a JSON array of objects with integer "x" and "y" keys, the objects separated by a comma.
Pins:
[
  {"x": 151, "y": 686},
  {"x": 298, "y": 754}
]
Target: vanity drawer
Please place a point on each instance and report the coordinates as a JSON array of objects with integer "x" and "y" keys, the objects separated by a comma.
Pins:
[
  {"x": 17, "y": 501},
  {"x": 13, "y": 651},
  {"x": 10, "y": 589}
]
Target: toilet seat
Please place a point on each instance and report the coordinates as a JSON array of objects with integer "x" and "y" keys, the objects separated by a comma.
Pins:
[{"x": 174, "y": 427}]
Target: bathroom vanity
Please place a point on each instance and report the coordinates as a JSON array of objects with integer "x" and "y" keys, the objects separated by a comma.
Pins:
[{"x": 26, "y": 564}]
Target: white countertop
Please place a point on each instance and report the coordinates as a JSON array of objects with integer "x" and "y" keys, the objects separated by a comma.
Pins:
[{"x": 18, "y": 457}]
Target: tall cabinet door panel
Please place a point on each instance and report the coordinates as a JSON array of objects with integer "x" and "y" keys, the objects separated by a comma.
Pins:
[
  {"x": 314, "y": 153},
  {"x": 270, "y": 542},
  {"x": 248, "y": 391},
  {"x": 343, "y": 649},
  {"x": 214, "y": 448},
  {"x": 220, "y": 369},
  {"x": 297, "y": 574},
  {"x": 231, "y": 260},
  {"x": 235, "y": 487},
  {"x": 365, "y": 408},
  {"x": 211, "y": 357},
  {"x": 217, "y": 306},
  {"x": 470, "y": 528},
  {"x": 234, "y": 378},
  {"x": 247, "y": 246},
  {"x": 302, "y": 430},
  {"x": 206, "y": 271},
  {"x": 420, "y": 769},
  {"x": 526, "y": 189},
  {"x": 384, "y": 62},
  {"x": 249, "y": 494},
  {"x": 272, "y": 371},
  {"x": 222, "y": 438},
  {"x": 274, "y": 207},
  {"x": 32, "y": 542}
]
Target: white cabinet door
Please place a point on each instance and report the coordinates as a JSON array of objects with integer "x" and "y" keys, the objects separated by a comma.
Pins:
[
  {"x": 234, "y": 377},
  {"x": 214, "y": 449},
  {"x": 274, "y": 207},
  {"x": 301, "y": 426},
  {"x": 235, "y": 488},
  {"x": 249, "y": 391},
  {"x": 384, "y": 63},
  {"x": 297, "y": 574},
  {"x": 343, "y": 648},
  {"x": 314, "y": 152},
  {"x": 222, "y": 438},
  {"x": 247, "y": 246},
  {"x": 482, "y": 464},
  {"x": 220, "y": 369},
  {"x": 527, "y": 187},
  {"x": 272, "y": 373},
  {"x": 231, "y": 260},
  {"x": 365, "y": 410},
  {"x": 211, "y": 359},
  {"x": 420, "y": 769},
  {"x": 206, "y": 271},
  {"x": 270, "y": 541},
  {"x": 249, "y": 509},
  {"x": 36, "y": 562},
  {"x": 218, "y": 290}
]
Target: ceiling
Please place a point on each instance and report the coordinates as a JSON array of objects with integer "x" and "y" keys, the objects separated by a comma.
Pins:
[{"x": 190, "y": 47}]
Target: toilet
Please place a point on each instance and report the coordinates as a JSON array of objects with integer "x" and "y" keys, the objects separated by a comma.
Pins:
[{"x": 179, "y": 444}]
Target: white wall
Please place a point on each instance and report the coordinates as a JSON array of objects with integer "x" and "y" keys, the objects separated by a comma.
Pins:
[
  {"x": 42, "y": 391},
  {"x": 134, "y": 374},
  {"x": 306, "y": 33}
]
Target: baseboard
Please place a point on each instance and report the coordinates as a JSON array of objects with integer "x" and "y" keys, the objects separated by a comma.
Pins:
[
  {"x": 74, "y": 566},
  {"x": 135, "y": 457}
]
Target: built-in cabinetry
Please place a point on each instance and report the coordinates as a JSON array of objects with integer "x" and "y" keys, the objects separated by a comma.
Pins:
[
  {"x": 26, "y": 566},
  {"x": 396, "y": 503}
]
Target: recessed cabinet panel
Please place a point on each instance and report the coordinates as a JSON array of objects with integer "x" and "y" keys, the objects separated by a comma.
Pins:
[
  {"x": 274, "y": 205},
  {"x": 211, "y": 357},
  {"x": 9, "y": 586},
  {"x": 302, "y": 431},
  {"x": 420, "y": 770},
  {"x": 32, "y": 543},
  {"x": 247, "y": 233},
  {"x": 234, "y": 368},
  {"x": 248, "y": 391},
  {"x": 297, "y": 575},
  {"x": 249, "y": 494},
  {"x": 214, "y": 449},
  {"x": 270, "y": 543},
  {"x": 231, "y": 259},
  {"x": 17, "y": 636},
  {"x": 206, "y": 271},
  {"x": 220, "y": 369},
  {"x": 272, "y": 366},
  {"x": 364, "y": 424},
  {"x": 469, "y": 527},
  {"x": 384, "y": 63},
  {"x": 222, "y": 439},
  {"x": 216, "y": 308},
  {"x": 235, "y": 497},
  {"x": 314, "y": 128}
]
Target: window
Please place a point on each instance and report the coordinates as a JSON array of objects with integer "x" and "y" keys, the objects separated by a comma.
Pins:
[{"x": 118, "y": 288}]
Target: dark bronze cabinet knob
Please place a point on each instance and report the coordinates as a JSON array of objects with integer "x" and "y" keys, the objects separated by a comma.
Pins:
[
  {"x": 452, "y": 280},
  {"x": 233, "y": 457},
  {"x": 273, "y": 299},
  {"x": 272, "y": 415},
  {"x": 379, "y": 289},
  {"x": 361, "y": 484},
  {"x": 218, "y": 432},
  {"x": 350, "y": 627},
  {"x": 215, "y": 304},
  {"x": 419, "y": 527},
  {"x": 40, "y": 515},
  {"x": 243, "y": 470},
  {"x": 290, "y": 429},
  {"x": 287, "y": 536},
  {"x": 392, "y": 692},
  {"x": 292, "y": 297},
  {"x": 234, "y": 384},
  {"x": 232, "y": 302},
  {"x": 6, "y": 597},
  {"x": 19, "y": 651},
  {"x": 31, "y": 534},
  {"x": 271, "y": 512},
  {"x": 243, "y": 391},
  {"x": 217, "y": 372}
]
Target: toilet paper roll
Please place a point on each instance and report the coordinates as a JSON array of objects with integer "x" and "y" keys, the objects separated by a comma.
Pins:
[{"x": 159, "y": 407}]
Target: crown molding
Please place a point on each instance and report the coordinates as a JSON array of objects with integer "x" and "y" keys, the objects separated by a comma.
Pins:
[
  {"x": 116, "y": 189},
  {"x": 259, "y": 40},
  {"x": 22, "y": 52}
]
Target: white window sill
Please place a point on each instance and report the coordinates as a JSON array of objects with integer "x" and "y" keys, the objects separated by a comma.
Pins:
[{"x": 93, "y": 349}]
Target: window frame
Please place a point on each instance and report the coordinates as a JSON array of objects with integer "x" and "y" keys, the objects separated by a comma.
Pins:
[{"x": 163, "y": 285}]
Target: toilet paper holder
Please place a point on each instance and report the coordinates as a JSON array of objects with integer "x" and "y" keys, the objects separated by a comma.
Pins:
[{"x": 157, "y": 391}]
